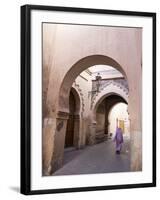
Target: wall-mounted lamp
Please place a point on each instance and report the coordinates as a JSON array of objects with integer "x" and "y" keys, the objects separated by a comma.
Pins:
[{"x": 95, "y": 89}]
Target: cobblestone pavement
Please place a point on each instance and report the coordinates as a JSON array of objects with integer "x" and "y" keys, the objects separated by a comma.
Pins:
[{"x": 99, "y": 158}]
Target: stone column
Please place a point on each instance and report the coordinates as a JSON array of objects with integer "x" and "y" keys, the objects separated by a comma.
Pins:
[
  {"x": 136, "y": 151},
  {"x": 135, "y": 138},
  {"x": 47, "y": 143},
  {"x": 92, "y": 133},
  {"x": 135, "y": 112},
  {"x": 59, "y": 141},
  {"x": 106, "y": 118},
  {"x": 83, "y": 132},
  {"x": 76, "y": 131}
]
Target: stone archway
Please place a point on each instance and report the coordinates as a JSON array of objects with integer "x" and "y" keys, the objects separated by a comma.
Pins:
[
  {"x": 102, "y": 111},
  {"x": 108, "y": 92},
  {"x": 63, "y": 102},
  {"x": 76, "y": 69},
  {"x": 111, "y": 88}
]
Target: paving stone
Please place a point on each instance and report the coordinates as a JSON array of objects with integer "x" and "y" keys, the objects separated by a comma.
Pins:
[{"x": 99, "y": 158}]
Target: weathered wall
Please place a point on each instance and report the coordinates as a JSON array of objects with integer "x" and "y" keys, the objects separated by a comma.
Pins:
[
  {"x": 72, "y": 43},
  {"x": 100, "y": 119},
  {"x": 64, "y": 46},
  {"x": 83, "y": 84}
]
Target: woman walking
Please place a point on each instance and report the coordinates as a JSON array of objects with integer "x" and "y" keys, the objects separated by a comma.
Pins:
[{"x": 118, "y": 138}]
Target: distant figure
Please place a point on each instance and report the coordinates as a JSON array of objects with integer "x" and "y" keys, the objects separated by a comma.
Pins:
[{"x": 118, "y": 138}]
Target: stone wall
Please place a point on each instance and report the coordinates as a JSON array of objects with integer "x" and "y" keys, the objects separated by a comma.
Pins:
[{"x": 100, "y": 119}]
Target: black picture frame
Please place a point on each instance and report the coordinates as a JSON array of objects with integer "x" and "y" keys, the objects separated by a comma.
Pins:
[{"x": 26, "y": 98}]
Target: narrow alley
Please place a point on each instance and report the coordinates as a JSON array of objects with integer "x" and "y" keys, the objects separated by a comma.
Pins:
[{"x": 99, "y": 158}]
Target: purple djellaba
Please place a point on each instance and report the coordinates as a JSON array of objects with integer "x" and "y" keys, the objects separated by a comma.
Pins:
[{"x": 118, "y": 138}]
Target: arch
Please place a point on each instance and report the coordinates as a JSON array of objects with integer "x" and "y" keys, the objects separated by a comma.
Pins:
[
  {"x": 109, "y": 90},
  {"x": 76, "y": 69},
  {"x": 87, "y": 134},
  {"x": 100, "y": 118}
]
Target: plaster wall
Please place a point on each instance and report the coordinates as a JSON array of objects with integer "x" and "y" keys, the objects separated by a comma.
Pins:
[
  {"x": 84, "y": 84},
  {"x": 100, "y": 119},
  {"x": 64, "y": 46}
]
